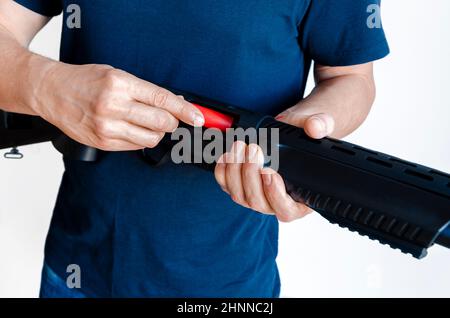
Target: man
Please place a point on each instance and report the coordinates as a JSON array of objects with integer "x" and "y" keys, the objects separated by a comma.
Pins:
[{"x": 137, "y": 230}]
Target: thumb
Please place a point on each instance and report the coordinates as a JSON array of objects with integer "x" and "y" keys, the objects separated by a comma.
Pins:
[
  {"x": 316, "y": 126},
  {"x": 319, "y": 125}
]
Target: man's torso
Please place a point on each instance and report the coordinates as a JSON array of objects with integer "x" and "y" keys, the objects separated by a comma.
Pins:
[{"x": 137, "y": 230}]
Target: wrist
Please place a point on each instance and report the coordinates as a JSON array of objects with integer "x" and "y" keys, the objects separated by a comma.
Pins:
[{"x": 36, "y": 81}]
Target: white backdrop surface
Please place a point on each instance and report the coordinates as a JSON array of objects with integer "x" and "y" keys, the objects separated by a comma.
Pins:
[{"x": 410, "y": 119}]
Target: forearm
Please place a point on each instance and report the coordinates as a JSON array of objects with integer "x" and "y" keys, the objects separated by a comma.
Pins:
[
  {"x": 347, "y": 98},
  {"x": 21, "y": 73}
]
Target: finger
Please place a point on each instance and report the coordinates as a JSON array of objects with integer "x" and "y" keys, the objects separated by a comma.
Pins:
[
  {"x": 252, "y": 182},
  {"x": 120, "y": 145},
  {"x": 150, "y": 94},
  {"x": 294, "y": 116},
  {"x": 152, "y": 118},
  {"x": 316, "y": 126},
  {"x": 130, "y": 133},
  {"x": 285, "y": 207},
  {"x": 319, "y": 126},
  {"x": 233, "y": 176},
  {"x": 219, "y": 173}
]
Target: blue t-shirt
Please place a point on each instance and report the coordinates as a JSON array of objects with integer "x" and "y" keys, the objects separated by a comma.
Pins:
[{"x": 138, "y": 230}]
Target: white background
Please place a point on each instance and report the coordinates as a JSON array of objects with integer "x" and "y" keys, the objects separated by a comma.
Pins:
[{"x": 410, "y": 119}]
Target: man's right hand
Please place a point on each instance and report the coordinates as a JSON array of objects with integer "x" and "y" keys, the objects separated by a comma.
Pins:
[
  {"x": 109, "y": 109},
  {"x": 96, "y": 105}
]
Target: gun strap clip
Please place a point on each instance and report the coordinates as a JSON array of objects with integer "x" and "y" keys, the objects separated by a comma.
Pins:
[{"x": 14, "y": 153}]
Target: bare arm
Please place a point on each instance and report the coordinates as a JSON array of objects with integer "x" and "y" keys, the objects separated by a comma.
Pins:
[
  {"x": 18, "y": 26},
  {"x": 96, "y": 105},
  {"x": 339, "y": 104}
]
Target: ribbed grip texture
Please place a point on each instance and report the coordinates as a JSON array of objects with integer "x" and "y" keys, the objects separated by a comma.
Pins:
[
  {"x": 386, "y": 229},
  {"x": 399, "y": 203}
]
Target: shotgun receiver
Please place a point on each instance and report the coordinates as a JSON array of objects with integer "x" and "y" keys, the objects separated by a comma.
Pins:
[{"x": 396, "y": 202}]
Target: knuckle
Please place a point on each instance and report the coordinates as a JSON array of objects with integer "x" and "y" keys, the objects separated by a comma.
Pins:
[
  {"x": 164, "y": 123},
  {"x": 101, "y": 107},
  {"x": 154, "y": 140},
  {"x": 224, "y": 189},
  {"x": 254, "y": 204},
  {"x": 285, "y": 217},
  {"x": 172, "y": 124},
  {"x": 271, "y": 192},
  {"x": 295, "y": 214},
  {"x": 300, "y": 211},
  {"x": 113, "y": 79},
  {"x": 305, "y": 211},
  {"x": 181, "y": 109},
  {"x": 160, "y": 97},
  {"x": 102, "y": 128},
  {"x": 129, "y": 113},
  {"x": 247, "y": 171},
  {"x": 151, "y": 143},
  {"x": 237, "y": 198},
  {"x": 160, "y": 136},
  {"x": 103, "y": 144}
]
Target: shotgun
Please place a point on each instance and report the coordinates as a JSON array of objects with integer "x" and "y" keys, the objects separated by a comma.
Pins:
[{"x": 399, "y": 203}]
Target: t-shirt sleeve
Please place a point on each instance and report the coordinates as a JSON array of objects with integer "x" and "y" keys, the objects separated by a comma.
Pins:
[
  {"x": 48, "y": 8},
  {"x": 343, "y": 32}
]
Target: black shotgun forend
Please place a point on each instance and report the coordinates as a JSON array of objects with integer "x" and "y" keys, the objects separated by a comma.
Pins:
[
  {"x": 398, "y": 203},
  {"x": 20, "y": 130}
]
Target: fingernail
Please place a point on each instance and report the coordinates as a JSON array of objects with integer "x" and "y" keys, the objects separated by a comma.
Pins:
[
  {"x": 280, "y": 117},
  {"x": 198, "y": 120},
  {"x": 240, "y": 155},
  {"x": 222, "y": 158},
  {"x": 252, "y": 153},
  {"x": 267, "y": 178},
  {"x": 320, "y": 124},
  {"x": 228, "y": 157}
]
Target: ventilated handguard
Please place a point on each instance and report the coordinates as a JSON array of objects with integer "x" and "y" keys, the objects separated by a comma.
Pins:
[{"x": 396, "y": 202}]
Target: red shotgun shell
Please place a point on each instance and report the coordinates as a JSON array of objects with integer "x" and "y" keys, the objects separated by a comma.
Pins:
[{"x": 215, "y": 119}]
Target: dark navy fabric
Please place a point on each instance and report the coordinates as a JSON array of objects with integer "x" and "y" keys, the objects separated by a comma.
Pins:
[
  {"x": 53, "y": 286},
  {"x": 137, "y": 230}
]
